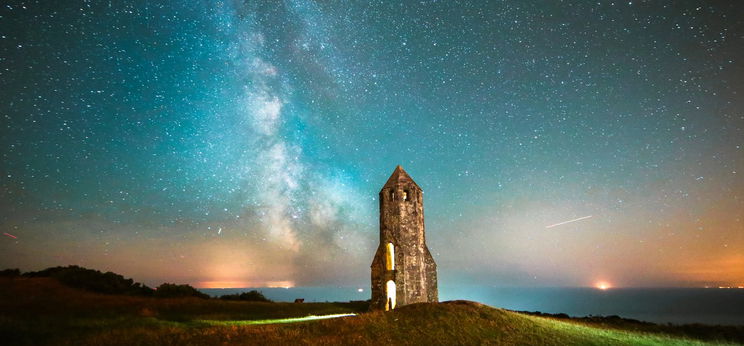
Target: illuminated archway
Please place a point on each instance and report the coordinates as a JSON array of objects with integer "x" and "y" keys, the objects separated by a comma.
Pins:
[
  {"x": 390, "y": 257},
  {"x": 390, "y": 300}
]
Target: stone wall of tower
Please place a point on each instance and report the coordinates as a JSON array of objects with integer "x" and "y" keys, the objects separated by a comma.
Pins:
[{"x": 402, "y": 224}]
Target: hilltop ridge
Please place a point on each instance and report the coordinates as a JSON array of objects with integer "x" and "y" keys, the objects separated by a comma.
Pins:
[{"x": 43, "y": 311}]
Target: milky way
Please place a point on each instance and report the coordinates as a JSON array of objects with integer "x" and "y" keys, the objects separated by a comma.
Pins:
[{"x": 244, "y": 143}]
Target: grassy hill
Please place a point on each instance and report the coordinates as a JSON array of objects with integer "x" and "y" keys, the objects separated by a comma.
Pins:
[{"x": 42, "y": 311}]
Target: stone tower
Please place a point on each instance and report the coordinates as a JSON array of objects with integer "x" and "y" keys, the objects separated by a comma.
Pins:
[{"x": 403, "y": 271}]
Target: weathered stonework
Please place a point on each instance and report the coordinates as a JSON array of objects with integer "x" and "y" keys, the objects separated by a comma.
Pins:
[{"x": 403, "y": 270}]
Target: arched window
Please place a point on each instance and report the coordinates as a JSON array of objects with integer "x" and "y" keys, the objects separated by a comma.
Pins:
[
  {"x": 406, "y": 195},
  {"x": 390, "y": 257},
  {"x": 390, "y": 295},
  {"x": 392, "y": 195}
]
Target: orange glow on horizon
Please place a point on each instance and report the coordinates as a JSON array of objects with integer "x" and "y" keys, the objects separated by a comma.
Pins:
[
  {"x": 721, "y": 271},
  {"x": 244, "y": 284},
  {"x": 603, "y": 285}
]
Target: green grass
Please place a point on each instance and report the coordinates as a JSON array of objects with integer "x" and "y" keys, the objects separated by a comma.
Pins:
[
  {"x": 41, "y": 311},
  {"x": 274, "y": 321},
  {"x": 593, "y": 335}
]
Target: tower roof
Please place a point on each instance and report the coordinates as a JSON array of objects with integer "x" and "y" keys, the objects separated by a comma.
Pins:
[{"x": 399, "y": 177}]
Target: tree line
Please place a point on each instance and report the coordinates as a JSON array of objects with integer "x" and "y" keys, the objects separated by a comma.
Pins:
[{"x": 112, "y": 283}]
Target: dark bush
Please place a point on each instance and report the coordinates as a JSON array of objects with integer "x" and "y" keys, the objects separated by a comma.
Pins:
[
  {"x": 93, "y": 280},
  {"x": 251, "y": 296},
  {"x": 10, "y": 273},
  {"x": 167, "y": 290}
]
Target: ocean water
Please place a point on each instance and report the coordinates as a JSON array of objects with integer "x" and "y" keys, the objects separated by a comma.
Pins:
[{"x": 659, "y": 305}]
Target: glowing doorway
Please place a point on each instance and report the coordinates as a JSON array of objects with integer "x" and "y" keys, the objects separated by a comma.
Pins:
[
  {"x": 390, "y": 257},
  {"x": 390, "y": 290}
]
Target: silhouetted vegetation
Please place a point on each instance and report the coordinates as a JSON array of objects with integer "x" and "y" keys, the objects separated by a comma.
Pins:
[
  {"x": 93, "y": 280},
  {"x": 107, "y": 283},
  {"x": 167, "y": 290},
  {"x": 250, "y": 296},
  {"x": 9, "y": 273},
  {"x": 112, "y": 283}
]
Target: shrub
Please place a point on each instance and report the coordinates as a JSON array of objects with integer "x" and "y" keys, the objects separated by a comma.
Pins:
[
  {"x": 251, "y": 296},
  {"x": 10, "y": 273},
  {"x": 167, "y": 290},
  {"x": 93, "y": 280}
]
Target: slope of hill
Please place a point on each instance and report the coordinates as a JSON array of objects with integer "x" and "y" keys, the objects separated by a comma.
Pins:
[{"x": 42, "y": 311}]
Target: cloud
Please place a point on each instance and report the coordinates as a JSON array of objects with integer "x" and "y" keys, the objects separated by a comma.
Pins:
[
  {"x": 279, "y": 175},
  {"x": 310, "y": 217},
  {"x": 265, "y": 111}
]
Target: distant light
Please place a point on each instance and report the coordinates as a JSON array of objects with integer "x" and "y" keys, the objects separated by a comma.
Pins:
[
  {"x": 603, "y": 285},
  {"x": 362, "y": 290},
  {"x": 280, "y": 284}
]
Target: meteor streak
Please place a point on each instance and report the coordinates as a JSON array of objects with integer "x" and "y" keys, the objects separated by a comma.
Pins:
[{"x": 569, "y": 221}]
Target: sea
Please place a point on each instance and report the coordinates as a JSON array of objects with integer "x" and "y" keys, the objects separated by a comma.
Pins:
[{"x": 659, "y": 305}]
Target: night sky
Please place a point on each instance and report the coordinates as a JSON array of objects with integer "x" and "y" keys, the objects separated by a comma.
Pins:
[{"x": 234, "y": 144}]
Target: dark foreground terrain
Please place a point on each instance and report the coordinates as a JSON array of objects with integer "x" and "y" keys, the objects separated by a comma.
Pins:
[{"x": 43, "y": 311}]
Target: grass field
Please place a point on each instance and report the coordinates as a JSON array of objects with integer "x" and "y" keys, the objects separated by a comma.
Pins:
[{"x": 41, "y": 311}]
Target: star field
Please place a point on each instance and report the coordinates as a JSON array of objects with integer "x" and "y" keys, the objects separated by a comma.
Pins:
[{"x": 244, "y": 143}]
